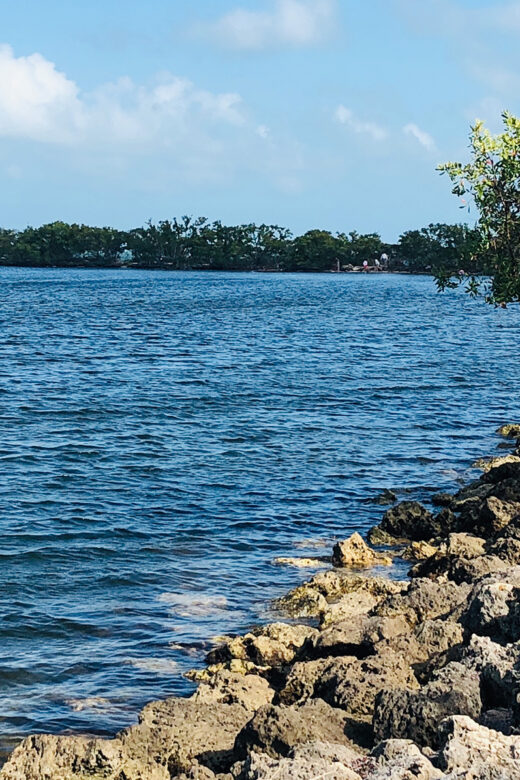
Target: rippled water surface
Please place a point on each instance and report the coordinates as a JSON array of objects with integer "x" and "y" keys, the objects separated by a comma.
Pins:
[{"x": 163, "y": 437}]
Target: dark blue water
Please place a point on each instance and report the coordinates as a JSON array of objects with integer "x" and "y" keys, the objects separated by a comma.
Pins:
[{"x": 163, "y": 437}]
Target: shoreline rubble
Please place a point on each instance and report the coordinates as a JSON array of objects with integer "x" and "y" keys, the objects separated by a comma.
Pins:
[{"x": 366, "y": 678}]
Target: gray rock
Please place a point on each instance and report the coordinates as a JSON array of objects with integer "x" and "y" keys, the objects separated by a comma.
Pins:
[
  {"x": 475, "y": 752},
  {"x": 307, "y": 762},
  {"x": 276, "y": 730},
  {"x": 416, "y": 715},
  {"x": 409, "y": 520},
  {"x": 400, "y": 759}
]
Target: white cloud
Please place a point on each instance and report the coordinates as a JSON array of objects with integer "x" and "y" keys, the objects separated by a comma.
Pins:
[
  {"x": 38, "y": 102},
  {"x": 286, "y": 23},
  {"x": 424, "y": 138},
  {"x": 346, "y": 117}
]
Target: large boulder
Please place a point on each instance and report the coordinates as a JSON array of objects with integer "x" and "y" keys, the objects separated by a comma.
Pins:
[
  {"x": 473, "y": 751},
  {"x": 276, "y": 730},
  {"x": 271, "y": 645},
  {"x": 353, "y": 684},
  {"x": 307, "y": 762},
  {"x": 225, "y": 687},
  {"x": 409, "y": 520},
  {"x": 46, "y": 757},
  {"x": 178, "y": 733},
  {"x": 415, "y": 715},
  {"x": 424, "y": 599},
  {"x": 400, "y": 759},
  {"x": 493, "y": 608},
  {"x": 495, "y": 664},
  {"x": 357, "y": 636}
]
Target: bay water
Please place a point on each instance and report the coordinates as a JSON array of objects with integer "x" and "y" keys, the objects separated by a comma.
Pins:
[{"x": 165, "y": 436}]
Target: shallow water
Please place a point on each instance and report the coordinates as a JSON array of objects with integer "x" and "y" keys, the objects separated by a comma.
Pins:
[{"x": 163, "y": 437}]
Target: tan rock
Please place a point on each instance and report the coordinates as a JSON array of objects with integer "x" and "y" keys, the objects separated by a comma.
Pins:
[
  {"x": 486, "y": 464},
  {"x": 300, "y": 563},
  {"x": 419, "y": 551},
  {"x": 477, "y": 752},
  {"x": 510, "y": 431},
  {"x": 224, "y": 687},
  {"x": 355, "y": 553}
]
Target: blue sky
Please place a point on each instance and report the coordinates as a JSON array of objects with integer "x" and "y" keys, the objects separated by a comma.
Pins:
[{"x": 304, "y": 113}]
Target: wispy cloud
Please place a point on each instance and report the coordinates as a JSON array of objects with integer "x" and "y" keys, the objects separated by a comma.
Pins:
[
  {"x": 421, "y": 136},
  {"x": 294, "y": 23},
  {"x": 183, "y": 130},
  {"x": 347, "y": 117}
]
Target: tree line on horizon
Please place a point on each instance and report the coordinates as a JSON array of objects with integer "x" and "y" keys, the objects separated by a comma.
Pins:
[{"x": 197, "y": 244}]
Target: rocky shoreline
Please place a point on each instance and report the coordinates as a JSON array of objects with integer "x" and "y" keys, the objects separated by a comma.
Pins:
[{"x": 368, "y": 678}]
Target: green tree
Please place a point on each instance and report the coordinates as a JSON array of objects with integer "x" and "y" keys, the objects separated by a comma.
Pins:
[{"x": 492, "y": 180}]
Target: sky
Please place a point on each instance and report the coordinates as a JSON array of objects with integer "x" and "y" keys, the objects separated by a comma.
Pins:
[{"x": 329, "y": 114}]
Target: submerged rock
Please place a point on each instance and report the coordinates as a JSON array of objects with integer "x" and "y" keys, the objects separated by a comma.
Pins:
[{"x": 510, "y": 431}]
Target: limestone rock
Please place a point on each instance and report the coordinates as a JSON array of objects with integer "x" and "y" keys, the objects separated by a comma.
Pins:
[
  {"x": 400, "y": 759},
  {"x": 492, "y": 608},
  {"x": 473, "y": 751},
  {"x": 353, "y": 684},
  {"x": 276, "y": 730},
  {"x": 424, "y": 599},
  {"x": 78, "y": 758},
  {"x": 250, "y": 690},
  {"x": 176, "y": 733},
  {"x": 416, "y": 714},
  {"x": 271, "y": 645},
  {"x": 355, "y": 553},
  {"x": 419, "y": 551},
  {"x": 307, "y": 762},
  {"x": 357, "y": 636},
  {"x": 486, "y": 464},
  {"x": 300, "y": 563}
]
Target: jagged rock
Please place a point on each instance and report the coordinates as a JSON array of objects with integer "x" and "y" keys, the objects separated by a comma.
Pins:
[
  {"x": 385, "y": 497},
  {"x": 357, "y": 636},
  {"x": 224, "y": 687},
  {"x": 486, "y": 464},
  {"x": 473, "y": 751},
  {"x": 493, "y": 608},
  {"x": 442, "y": 499},
  {"x": 380, "y": 538},
  {"x": 409, "y": 520},
  {"x": 300, "y": 563},
  {"x": 438, "y": 636},
  {"x": 459, "y": 569},
  {"x": 361, "y": 595},
  {"x": 352, "y": 684},
  {"x": 348, "y": 682},
  {"x": 307, "y": 762},
  {"x": 463, "y": 545},
  {"x": 235, "y": 666},
  {"x": 276, "y": 730},
  {"x": 424, "y": 599},
  {"x": 198, "y": 772},
  {"x": 45, "y": 757},
  {"x": 419, "y": 551},
  {"x": 179, "y": 732},
  {"x": 400, "y": 759},
  {"x": 301, "y": 680},
  {"x": 313, "y": 597},
  {"x": 454, "y": 690},
  {"x": 494, "y": 515},
  {"x": 355, "y": 553},
  {"x": 494, "y": 663},
  {"x": 510, "y": 431},
  {"x": 507, "y": 548},
  {"x": 271, "y": 645}
]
